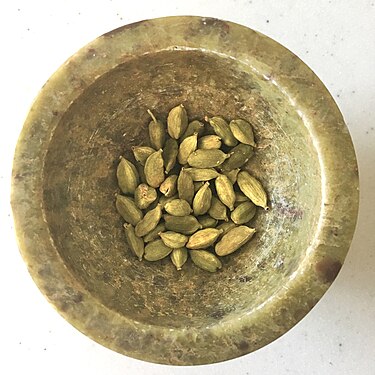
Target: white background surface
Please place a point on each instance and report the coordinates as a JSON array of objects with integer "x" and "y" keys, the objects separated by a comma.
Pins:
[{"x": 335, "y": 38}]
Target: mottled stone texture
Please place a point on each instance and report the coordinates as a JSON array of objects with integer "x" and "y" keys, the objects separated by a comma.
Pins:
[{"x": 93, "y": 109}]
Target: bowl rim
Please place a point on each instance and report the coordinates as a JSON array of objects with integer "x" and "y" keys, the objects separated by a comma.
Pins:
[{"x": 338, "y": 214}]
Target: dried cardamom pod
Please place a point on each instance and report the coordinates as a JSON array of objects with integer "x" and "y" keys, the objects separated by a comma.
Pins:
[
  {"x": 135, "y": 243},
  {"x": 202, "y": 200},
  {"x": 156, "y": 250},
  {"x": 242, "y": 131},
  {"x": 173, "y": 239},
  {"x": 198, "y": 185},
  {"x": 203, "y": 238},
  {"x": 179, "y": 257},
  {"x": 202, "y": 174},
  {"x": 240, "y": 197},
  {"x": 154, "y": 169},
  {"x": 193, "y": 127},
  {"x": 154, "y": 234},
  {"x": 252, "y": 188},
  {"x": 209, "y": 142},
  {"x": 232, "y": 175},
  {"x": 222, "y": 129},
  {"x": 218, "y": 210},
  {"x": 207, "y": 158},
  {"x": 141, "y": 153},
  {"x": 182, "y": 224},
  {"x": 243, "y": 213},
  {"x": 156, "y": 131},
  {"x": 178, "y": 207},
  {"x": 128, "y": 209},
  {"x": 205, "y": 260},
  {"x": 225, "y": 191},
  {"x": 226, "y": 227},
  {"x": 233, "y": 240},
  {"x": 144, "y": 195},
  {"x": 127, "y": 176},
  {"x": 149, "y": 222},
  {"x": 177, "y": 121},
  {"x": 170, "y": 154},
  {"x": 169, "y": 186},
  {"x": 207, "y": 221},
  {"x": 239, "y": 156},
  {"x": 187, "y": 146},
  {"x": 185, "y": 186}
]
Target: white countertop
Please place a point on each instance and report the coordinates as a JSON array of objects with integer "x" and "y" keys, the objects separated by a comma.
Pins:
[{"x": 336, "y": 39}]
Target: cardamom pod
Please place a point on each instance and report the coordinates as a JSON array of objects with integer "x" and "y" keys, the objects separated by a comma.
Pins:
[
  {"x": 154, "y": 169},
  {"x": 127, "y": 176},
  {"x": 156, "y": 250},
  {"x": 209, "y": 142},
  {"x": 240, "y": 197},
  {"x": 232, "y": 175},
  {"x": 170, "y": 154},
  {"x": 198, "y": 185},
  {"x": 218, "y": 210},
  {"x": 178, "y": 207},
  {"x": 243, "y": 213},
  {"x": 179, "y": 257},
  {"x": 202, "y": 174},
  {"x": 253, "y": 189},
  {"x": 185, "y": 186},
  {"x": 225, "y": 191},
  {"x": 149, "y": 222},
  {"x": 164, "y": 200},
  {"x": 239, "y": 156},
  {"x": 182, "y": 224},
  {"x": 233, "y": 240},
  {"x": 141, "y": 173},
  {"x": 242, "y": 131},
  {"x": 205, "y": 260},
  {"x": 193, "y": 127},
  {"x": 207, "y": 221},
  {"x": 128, "y": 209},
  {"x": 177, "y": 121},
  {"x": 207, "y": 158},
  {"x": 187, "y": 146},
  {"x": 203, "y": 238},
  {"x": 226, "y": 227},
  {"x": 154, "y": 234},
  {"x": 156, "y": 132},
  {"x": 169, "y": 186},
  {"x": 144, "y": 195},
  {"x": 222, "y": 129},
  {"x": 141, "y": 153},
  {"x": 202, "y": 200},
  {"x": 173, "y": 239},
  {"x": 135, "y": 243}
]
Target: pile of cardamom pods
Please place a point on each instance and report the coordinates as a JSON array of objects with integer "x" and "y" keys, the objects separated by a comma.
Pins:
[{"x": 186, "y": 194}]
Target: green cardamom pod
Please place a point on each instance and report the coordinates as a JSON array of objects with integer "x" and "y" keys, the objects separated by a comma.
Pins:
[
  {"x": 225, "y": 191},
  {"x": 207, "y": 158},
  {"x": 239, "y": 156},
  {"x": 156, "y": 250},
  {"x": 169, "y": 186},
  {"x": 232, "y": 175},
  {"x": 177, "y": 121},
  {"x": 218, "y": 210},
  {"x": 203, "y": 238},
  {"x": 222, "y": 129},
  {"x": 233, "y": 240},
  {"x": 205, "y": 260},
  {"x": 144, "y": 195},
  {"x": 127, "y": 176},
  {"x": 226, "y": 227},
  {"x": 253, "y": 189},
  {"x": 187, "y": 146},
  {"x": 193, "y": 127},
  {"x": 173, "y": 239},
  {"x": 198, "y": 185},
  {"x": 170, "y": 154},
  {"x": 207, "y": 221},
  {"x": 135, "y": 243},
  {"x": 154, "y": 169},
  {"x": 209, "y": 142},
  {"x": 141, "y": 153},
  {"x": 240, "y": 197},
  {"x": 156, "y": 132},
  {"x": 182, "y": 224},
  {"x": 128, "y": 209},
  {"x": 185, "y": 186},
  {"x": 202, "y": 174},
  {"x": 242, "y": 131},
  {"x": 243, "y": 213},
  {"x": 154, "y": 234},
  {"x": 179, "y": 257},
  {"x": 202, "y": 200},
  {"x": 149, "y": 222},
  {"x": 178, "y": 207}
]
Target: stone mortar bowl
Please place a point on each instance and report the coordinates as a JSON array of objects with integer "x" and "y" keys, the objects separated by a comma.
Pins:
[{"x": 93, "y": 109}]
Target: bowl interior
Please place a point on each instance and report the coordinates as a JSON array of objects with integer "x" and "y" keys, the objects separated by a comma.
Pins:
[{"x": 109, "y": 118}]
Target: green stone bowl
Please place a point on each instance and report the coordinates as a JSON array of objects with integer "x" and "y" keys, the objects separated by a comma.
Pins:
[{"x": 93, "y": 109}]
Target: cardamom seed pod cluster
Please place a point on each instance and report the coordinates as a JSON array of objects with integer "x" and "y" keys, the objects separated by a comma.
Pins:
[{"x": 187, "y": 193}]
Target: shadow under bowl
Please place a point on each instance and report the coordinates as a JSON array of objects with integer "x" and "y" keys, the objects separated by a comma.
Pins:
[{"x": 93, "y": 109}]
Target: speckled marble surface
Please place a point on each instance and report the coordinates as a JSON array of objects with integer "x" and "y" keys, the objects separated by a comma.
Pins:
[{"x": 339, "y": 324}]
